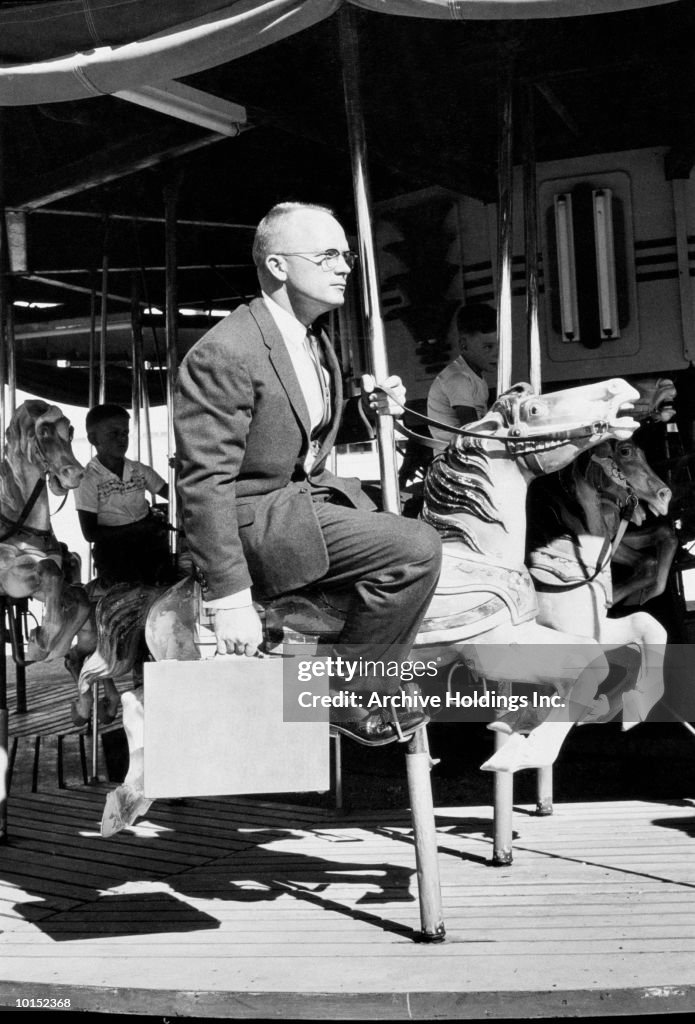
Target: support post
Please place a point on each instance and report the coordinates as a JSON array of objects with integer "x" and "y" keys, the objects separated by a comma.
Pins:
[
  {"x": 533, "y": 339},
  {"x": 95, "y": 734},
  {"x": 136, "y": 359},
  {"x": 170, "y": 205},
  {"x": 417, "y": 758},
  {"x": 104, "y": 321},
  {"x": 14, "y": 622},
  {"x": 544, "y": 791},
  {"x": 418, "y": 765},
  {"x": 368, "y": 267},
  {"x": 503, "y": 812},
  {"x": 505, "y": 204}
]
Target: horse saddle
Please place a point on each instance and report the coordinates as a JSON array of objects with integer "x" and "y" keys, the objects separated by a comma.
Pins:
[
  {"x": 179, "y": 627},
  {"x": 474, "y": 596}
]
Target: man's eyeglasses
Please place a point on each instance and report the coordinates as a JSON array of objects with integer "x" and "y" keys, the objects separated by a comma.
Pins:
[{"x": 327, "y": 260}]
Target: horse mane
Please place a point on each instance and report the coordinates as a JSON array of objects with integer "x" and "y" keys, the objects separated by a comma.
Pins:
[
  {"x": 553, "y": 509},
  {"x": 458, "y": 482}
]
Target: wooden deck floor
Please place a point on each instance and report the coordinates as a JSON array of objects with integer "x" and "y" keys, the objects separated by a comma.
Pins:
[{"x": 234, "y": 907}]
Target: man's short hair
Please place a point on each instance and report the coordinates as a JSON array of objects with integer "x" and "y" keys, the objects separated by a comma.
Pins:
[
  {"x": 264, "y": 239},
  {"x": 476, "y": 318},
  {"x": 98, "y": 413}
]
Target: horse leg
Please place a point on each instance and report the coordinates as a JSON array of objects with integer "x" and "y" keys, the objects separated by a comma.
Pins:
[
  {"x": 128, "y": 802},
  {"x": 575, "y": 665},
  {"x": 642, "y": 629}
]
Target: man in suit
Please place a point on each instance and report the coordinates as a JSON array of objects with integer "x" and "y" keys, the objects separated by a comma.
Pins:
[{"x": 256, "y": 415}]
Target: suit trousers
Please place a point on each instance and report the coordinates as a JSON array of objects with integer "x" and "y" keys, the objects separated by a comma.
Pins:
[{"x": 392, "y": 565}]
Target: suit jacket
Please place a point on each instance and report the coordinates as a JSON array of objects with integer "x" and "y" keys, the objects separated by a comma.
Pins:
[{"x": 242, "y": 434}]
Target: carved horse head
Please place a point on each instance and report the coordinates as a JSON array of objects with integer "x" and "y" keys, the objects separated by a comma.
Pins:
[
  {"x": 39, "y": 443},
  {"x": 628, "y": 460},
  {"x": 38, "y": 446},
  {"x": 546, "y": 432},
  {"x": 476, "y": 488}
]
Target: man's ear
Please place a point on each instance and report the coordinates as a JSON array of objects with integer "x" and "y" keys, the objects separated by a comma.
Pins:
[{"x": 276, "y": 267}]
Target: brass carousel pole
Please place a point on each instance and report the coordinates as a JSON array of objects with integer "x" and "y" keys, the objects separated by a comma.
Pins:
[
  {"x": 418, "y": 760},
  {"x": 504, "y": 781},
  {"x": 103, "y": 337},
  {"x": 136, "y": 360},
  {"x": 170, "y": 205},
  {"x": 544, "y": 776}
]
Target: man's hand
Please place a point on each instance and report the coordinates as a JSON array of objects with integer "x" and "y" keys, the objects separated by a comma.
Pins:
[
  {"x": 376, "y": 402},
  {"x": 238, "y": 630}
]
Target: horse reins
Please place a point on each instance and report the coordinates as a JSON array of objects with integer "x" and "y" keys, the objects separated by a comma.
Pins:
[
  {"x": 24, "y": 514},
  {"x": 608, "y": 547},
  {"x": 16, "y": 527},
  {"x": 516, "y": 433}
]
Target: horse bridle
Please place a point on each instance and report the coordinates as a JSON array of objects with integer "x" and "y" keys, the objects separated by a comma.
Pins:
[
  {"x": 16, "y": 527},
  {"x": 519, "y": 432}
]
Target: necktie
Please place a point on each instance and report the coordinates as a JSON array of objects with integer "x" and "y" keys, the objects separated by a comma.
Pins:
[{"x": 313, "y": 347}]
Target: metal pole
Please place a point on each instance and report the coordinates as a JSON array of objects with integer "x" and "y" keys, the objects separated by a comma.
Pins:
[
  {"x": 91, "y": 384},
  {"x": 368, "y": 269},
  {"x": 92, "y": 345},
  {"x": 11, "y": 359},
  {"x": 170, "y": 202},
  {"x": 505, "y": 204},
  {"x": 544, "y": 791},
  {"x": 503, "y": 812},
  {"x": 104, "y": 326},
  {"x": 136, "y": 387},
  {"x": 533, "y": 338},
  {"x": 417, "y": 757},
  {"x": 418, "y": 765},
  {"x": 95, "y": 734}
]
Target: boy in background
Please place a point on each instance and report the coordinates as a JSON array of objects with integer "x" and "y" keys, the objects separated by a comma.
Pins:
[
  {"x": 460, "y": 394},
  {"x": 129, "y": 542}
]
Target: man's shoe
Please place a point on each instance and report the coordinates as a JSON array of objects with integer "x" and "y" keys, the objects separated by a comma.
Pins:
[{"x": 377, "y": 729}]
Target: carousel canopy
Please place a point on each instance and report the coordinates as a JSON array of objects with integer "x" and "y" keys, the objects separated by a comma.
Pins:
[{"x": 88, "y": 154}]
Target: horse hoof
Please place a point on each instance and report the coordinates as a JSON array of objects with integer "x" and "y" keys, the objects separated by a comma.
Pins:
[
  {"x": 123, "y": 805},
  {"x": 106, "y": 712},
  {"x": 77, "y": 718}
]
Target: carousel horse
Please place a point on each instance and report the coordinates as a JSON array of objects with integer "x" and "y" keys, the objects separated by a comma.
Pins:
[
  {"x": 647, "y": 551},
  {"x": 484, "y": 609},
  {"x": 576, "y": 518},
  {"x": 32, "y": 562}
]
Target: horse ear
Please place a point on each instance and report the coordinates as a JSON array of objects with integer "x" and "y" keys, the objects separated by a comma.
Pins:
[{"x": 19, "y": 427}]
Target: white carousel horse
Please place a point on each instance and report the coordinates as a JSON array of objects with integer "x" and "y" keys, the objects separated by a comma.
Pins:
[
  {"x": 484, "y": 609},
  {"x": 32, "y": 562}
]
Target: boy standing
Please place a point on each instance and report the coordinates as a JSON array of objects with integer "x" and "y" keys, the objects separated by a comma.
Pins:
[{"x": 129, "y": 543}]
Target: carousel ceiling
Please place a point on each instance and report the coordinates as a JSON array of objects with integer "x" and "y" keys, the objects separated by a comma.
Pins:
[{"x": 91, "y": 173}]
